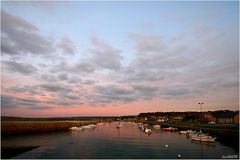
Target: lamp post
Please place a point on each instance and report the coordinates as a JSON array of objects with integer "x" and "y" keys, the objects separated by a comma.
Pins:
[{"x": 201, "y": 103}]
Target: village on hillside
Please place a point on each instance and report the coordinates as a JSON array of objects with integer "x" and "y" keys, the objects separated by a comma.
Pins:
[{"x": 208, "y": 117}]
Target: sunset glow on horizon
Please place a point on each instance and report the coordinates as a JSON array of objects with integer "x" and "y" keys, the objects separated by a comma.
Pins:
[{"x": 64, "y": 59}]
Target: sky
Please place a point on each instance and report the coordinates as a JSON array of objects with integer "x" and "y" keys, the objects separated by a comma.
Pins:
[{"x": 110, "y": 58}]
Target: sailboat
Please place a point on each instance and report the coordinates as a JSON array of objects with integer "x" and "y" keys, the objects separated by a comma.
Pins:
[
  {"x": 200, "y": 136},
  {"x": 203, "y": 137},
  {"x": 119, "y": 124}
]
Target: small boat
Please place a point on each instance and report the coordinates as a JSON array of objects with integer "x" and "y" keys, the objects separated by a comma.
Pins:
[
  {"x": 194, "y": 133},
  {"x": 90, "y": 126},
  {"x": 75, "y": 128},
  {"x": 183, "y": 132},
  {"x": 119, "y": 124},
  {"x": 143, "y": 127},
  {"x": 156, "y": 126},
  {"x": 139, "y": 125},
  {"x": 187, "y": 132},
  {"x": 191, "y": 132},
  {"x": 204, "y": 138},
  {"x": 170, "y": 129},
  {"x": 148, "y": 131}
]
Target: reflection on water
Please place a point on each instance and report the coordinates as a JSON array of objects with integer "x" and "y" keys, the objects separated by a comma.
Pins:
[
  {"x": 207, "y": 144},
  {"x": 119, "y": 131},
  {"x": 106, "y": 141}
]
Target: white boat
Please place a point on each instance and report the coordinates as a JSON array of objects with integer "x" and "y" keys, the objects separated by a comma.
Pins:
[
  {"x": 183, "y": 132},
  {"x": 143, "y": 127},
  {"x": 75, "y": 128},
  {"x": 194, "y": 134},
  {"x": 191, "y": 132},
  {"x": 148, "y": 131},
  {"x": 119, "y": 124},
  {"x": 204, "y": 138},
  {"x": 140, "y": 125},
  {"x": 170, "y": 129},
  {"x": 90, "y": 126},
  {"x": 156, "y": 126},
  {"x": 187, "y": 132}
]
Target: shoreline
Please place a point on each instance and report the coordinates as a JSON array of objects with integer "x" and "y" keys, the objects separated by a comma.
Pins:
[
  {"x": 12, "y": 151},
  {"x": 228, "y": 136},
  {"x": 28, "y": 127},
  {"x": 15, "y": 128}
]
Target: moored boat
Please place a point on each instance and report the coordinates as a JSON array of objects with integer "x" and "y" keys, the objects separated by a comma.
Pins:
[
  {"x": 148, "y": 131},
  {"x": 119, "y": 125},
  {"x": 90, "y": 126},
  {"x": 183, "y": 132},
  {"x": 204, "y": 138},
  {"x": 75, "y": 128},
  {"x": 187, "y": 132},
  {"x": 194, "y": 133},
  {"x": 170, "y": 129},
  {"x": 142, "y": 127},
  {"x": 156, "y": 126}
]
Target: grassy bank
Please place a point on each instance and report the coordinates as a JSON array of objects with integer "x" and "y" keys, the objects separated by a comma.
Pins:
[
  {"x": 24, "y": 127},
  {"x": 14, "y": 127}
]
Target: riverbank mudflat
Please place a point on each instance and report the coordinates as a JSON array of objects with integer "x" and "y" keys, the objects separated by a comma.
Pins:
[
  {"x": 9, "y": 128},
  {"x": 25, "y": 127}
]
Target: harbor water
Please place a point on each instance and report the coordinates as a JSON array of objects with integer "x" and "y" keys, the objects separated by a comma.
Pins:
[{"x": 108, "y": 141}]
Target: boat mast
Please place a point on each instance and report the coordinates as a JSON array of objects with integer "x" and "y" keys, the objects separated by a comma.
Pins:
[{"x": 201, "y": 103}]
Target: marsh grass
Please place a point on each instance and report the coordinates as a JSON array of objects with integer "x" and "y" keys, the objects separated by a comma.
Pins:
[{"x": 24, "y": 127}]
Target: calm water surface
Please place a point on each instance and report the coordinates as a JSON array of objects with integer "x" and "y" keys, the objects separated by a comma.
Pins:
[{"x": 105, "y": 141}]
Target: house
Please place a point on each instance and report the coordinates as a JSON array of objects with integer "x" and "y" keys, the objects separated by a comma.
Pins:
[
  {"x": 162, "y": 119},
  {"x": 227, "y": 117},
  {"x": 208, "y": 117},
  {"x": 191, "y": 117},
  {"x": 236, "y": 118},
  {"x": 177, "y": 118},
  {"x": 220, "y": 117}
]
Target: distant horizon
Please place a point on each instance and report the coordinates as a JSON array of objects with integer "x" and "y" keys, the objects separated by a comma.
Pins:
[
  {"x": 61, "y": 58},
  {"x": 98, "y": 116}
]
